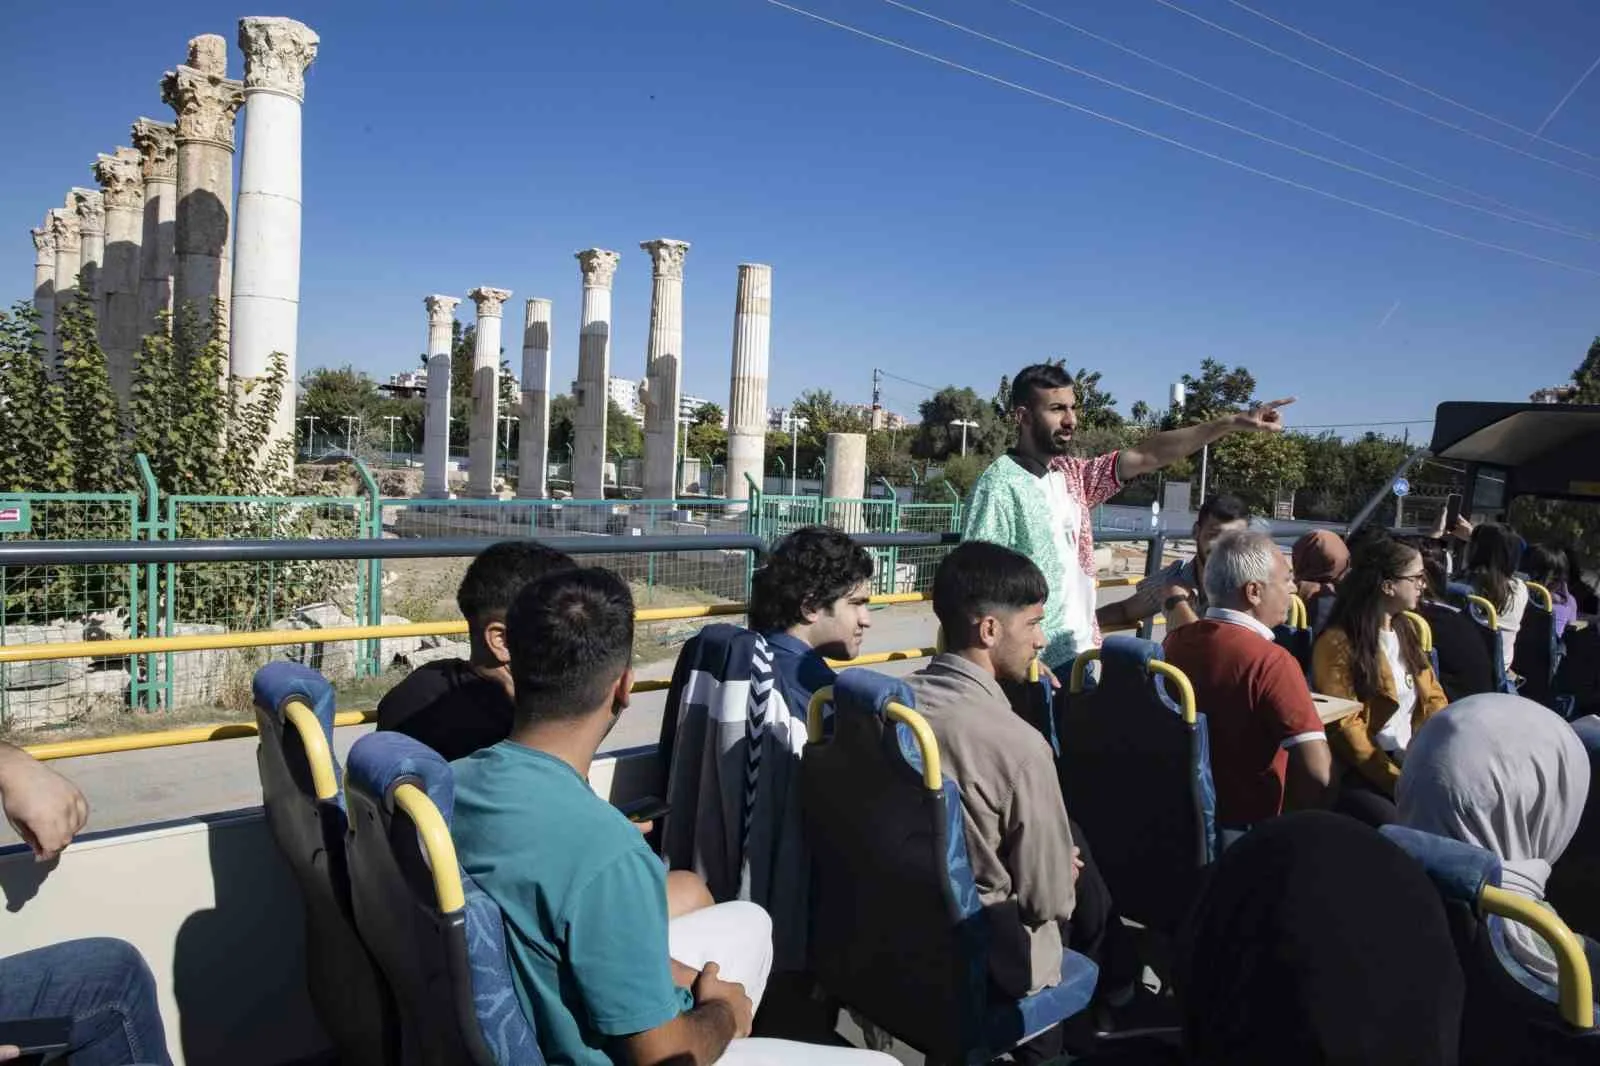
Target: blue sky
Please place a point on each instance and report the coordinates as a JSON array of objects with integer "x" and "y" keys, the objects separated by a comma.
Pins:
[{"x": 918, "y": 219}]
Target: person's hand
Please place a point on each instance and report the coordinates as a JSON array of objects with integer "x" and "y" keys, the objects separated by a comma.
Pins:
[
  {"x": 1049, "y": 675},
  {"x": 9, "y": 1052},
  {"x": 1263, "y": 418},
  {"x": 43, "y": 807},
  {"x": 1462, "y": 530},
  {"x": 709, "y": 988},
  {"x": 644, "y": 827},
  {"x": 1077, "y": 863}
]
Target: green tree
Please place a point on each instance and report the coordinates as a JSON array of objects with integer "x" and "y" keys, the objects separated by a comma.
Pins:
[
  {"x": 1258, "y": 466},
  {"x": 1587, "y": 376},
  {"x": 563, "y": 409},
  {"x": 35, "y": 451},
  {"x": 624, "y": 437},
  {"x": 332, "y": 395},
  {"x": 1097, "y": 408},
  {"x": 93, "y": 417},
  {"x": 936, "y": 438},
  {"x": 1214, "y": 392},
  {"x": 709, "y": 414}
]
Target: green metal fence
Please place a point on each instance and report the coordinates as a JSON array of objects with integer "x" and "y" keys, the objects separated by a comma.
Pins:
[{"x": 896, "y": 569}]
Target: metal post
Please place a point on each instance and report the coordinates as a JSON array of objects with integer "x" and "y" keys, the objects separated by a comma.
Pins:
[
  {"x": 1205, "y": 463},
  {"x": 1152, "y": 563}
]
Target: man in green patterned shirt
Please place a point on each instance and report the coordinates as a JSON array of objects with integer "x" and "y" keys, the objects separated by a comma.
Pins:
[{"x": 1038, "y": 500}]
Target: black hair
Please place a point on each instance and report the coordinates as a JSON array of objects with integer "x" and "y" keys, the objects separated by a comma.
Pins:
[
  {"x": 1037, "y": 378},
  {"x": 1224, "y": 507},
  {"x": 807, "y": 571},
  {"x": 1358, "y": 611},
  {"x": 1492, "y": 557},
  {"x": 978, "y": 578},
  {"x": 571, "y": 637},
  {"x": 1546, "y": 566},
  {"x": 1435, "y": 563},
  {"x": 499, "y": 573}
]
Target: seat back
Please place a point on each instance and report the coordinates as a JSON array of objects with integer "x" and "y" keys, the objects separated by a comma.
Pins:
[
  {"x": 1136, "y": 775},
  {"x": 439, "y": 939},
  {"x": 1462, "y": 660},
  {"x": 1535, "y": 656},
  {"x": 300, "y": 791},
  {"x": 1295, "y": 635},
  {"x": 1486, "y": 616},
  {"x": 1319, "y": 610},
  {"x": 1574, "y": 886},
  {"x": 1511, "y": 1015}
]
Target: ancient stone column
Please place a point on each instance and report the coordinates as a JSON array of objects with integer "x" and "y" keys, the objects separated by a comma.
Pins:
[
  {"x": 122, "y": 187},
  {"x": 747, "y": 394},
  {"x": 266, "y": 254},
  {"x": 436, "y": 427},
  {"x": 663, "y": 368},
  {"x": 533, "y": 442},
  {"x": 205, "y": 100},
  {"x": 483, "y": 445},
  {"x": 44, "y": 284},
  {"x": 158, "y": 157},
  {"x": 63, "y": 226},
  {"x": 845, "y": 481},
  {"x": 599, "y": 268},
  {"x": 91, "y": 209}
]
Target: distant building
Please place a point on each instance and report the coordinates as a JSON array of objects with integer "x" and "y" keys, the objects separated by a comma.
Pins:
[
  {"x": 688, "y": 406},
  {"x": 624, "y": 392},
  {"x": 406, "y": 385},
  {"x": 1554, "y": 394}
]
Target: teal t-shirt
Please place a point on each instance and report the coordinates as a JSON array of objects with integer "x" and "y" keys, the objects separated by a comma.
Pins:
[{"x": 584, "y": 898}]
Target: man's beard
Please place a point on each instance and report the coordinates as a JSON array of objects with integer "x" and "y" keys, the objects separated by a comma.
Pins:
[{"x": 1045, "y": 443}]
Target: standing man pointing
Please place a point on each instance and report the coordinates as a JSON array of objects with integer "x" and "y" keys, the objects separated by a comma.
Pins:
[{"x": 1039, "y": 501}]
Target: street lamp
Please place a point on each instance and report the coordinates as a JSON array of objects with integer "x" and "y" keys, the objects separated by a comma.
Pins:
[
  {"x": 505, "y": 452},
  {"x": 311, "y": 433},
  {"x": 684, "y": 422},
  {"x": 965, "y": 424},
  {"x": 350, "y": 432},
  {"x": 391, "y": 419},
  {"x": 1180, "y": 393},
  {"x": 796, "y": 424}
]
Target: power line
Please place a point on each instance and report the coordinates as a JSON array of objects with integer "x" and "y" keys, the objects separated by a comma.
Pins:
[
  {"x": 1202, "y": 116},
  {"x": 1408, "y": 83},
  {"x": 1275, "y": 113},
  {"x": 1391, "y": 101},
  {"x": 897, "y": 377},
  {"x": 1204, "y": 153},
  {"x": 1554, "y": 111}
]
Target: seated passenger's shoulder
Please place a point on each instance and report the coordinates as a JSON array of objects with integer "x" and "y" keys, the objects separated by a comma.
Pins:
[{"x": 968, "y": 709}]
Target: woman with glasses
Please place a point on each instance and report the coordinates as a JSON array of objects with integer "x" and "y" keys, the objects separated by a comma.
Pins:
[{"x": 1372, "y": 654}]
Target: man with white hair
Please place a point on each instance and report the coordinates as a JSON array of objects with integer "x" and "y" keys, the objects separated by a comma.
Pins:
[{"x": 1269, "y": 750}]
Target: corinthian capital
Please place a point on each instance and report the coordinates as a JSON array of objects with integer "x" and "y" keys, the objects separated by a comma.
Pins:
[
  {"x": 63, "y": 227},
  {"x": 667, "y": 256},
  {"x": 491, "y": 302},
  {"x": 441, "y": 309},
  {"x": 90, "y": 207},
  {"x": 599, "y": 267},
  {"x": 44, "y": 243},
  {"x": 277, "y": 52},
  {"x": 205, "y": 104},
  {"x": 121, "y": 179},
  {"x": 158, "y": 148}
]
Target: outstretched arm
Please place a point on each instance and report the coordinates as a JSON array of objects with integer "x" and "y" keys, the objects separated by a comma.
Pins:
[{"x": 1164, "y": 449}]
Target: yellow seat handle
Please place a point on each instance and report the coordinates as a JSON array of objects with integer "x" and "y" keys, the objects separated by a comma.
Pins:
[
  {"x": 927, "y": 744},
  {"x": 1542, "y": 594},
  {"x": 1424, "y": 630},
  {"x": 1186, "y": 700},
  {"x": 1574, "y": 980},
  {"x": 303, "y": 720},
  {"x": 437, "y": 846}
]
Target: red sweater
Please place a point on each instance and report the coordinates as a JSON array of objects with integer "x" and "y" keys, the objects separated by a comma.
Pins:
[{"x": 1257, "y": 704}]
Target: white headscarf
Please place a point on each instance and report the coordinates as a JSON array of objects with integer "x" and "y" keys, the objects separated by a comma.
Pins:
[{"x": 1504, "y": 773}]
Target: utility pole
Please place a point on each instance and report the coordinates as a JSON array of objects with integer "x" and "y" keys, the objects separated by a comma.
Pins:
[
  {"x": 311, "y": 433},
  {"x": 965, "y": 424},
  {"x": 350, "y": 432},
  {"x": 391, "y": 419}
]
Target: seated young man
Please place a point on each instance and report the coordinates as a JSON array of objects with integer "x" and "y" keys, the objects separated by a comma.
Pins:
[
  {"x": 1269, "y": 750},
  {"x": 456, "y": 706},
  {"x": 810, "y": 603},
  {"x": 1033, "y": 870},
  {"x": 599, "y": 968},
  {"x": 1178, "y": 591}
]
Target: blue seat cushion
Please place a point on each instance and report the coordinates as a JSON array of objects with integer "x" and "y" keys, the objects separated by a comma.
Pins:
[
  {"x": 275, "y": 684},
  {"x": 1008, "y": 1023}
]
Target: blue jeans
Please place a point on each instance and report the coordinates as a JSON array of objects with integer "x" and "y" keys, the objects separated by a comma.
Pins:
[{"x": 103, "y": 985}]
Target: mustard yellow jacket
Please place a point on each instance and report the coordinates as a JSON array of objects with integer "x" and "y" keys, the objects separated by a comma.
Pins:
[{"x": 1353, "y": 739}]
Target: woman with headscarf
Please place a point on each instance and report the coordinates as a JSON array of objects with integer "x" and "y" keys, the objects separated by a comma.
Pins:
[
  {"x": 1318, "y": 941},
  {"x": 1321, "y": 560},
  {"x": 1507, "y": 775},
  {"x": 1372, "y": 654},
  {"x": 1493, "y": 554}
]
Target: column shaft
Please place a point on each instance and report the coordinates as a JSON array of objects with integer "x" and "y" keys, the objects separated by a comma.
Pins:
[
  {"x": 599, "y": 268},
  {"x": 533, "y": 444},
  {"x": 663, "y": 369},
  {"x": 158, "y": 152},
  {"x": 63, "y": 225},
  {"x": 122, "y": 188},
  {"x": 436, "y": 427},
  {"x": 91, "y": 209},
  {"x": 483, "y": 447},
  {"x": 44, "y": 283},
  {"x": 265, "y": 310},
  {"x": 747, "y": 394}
]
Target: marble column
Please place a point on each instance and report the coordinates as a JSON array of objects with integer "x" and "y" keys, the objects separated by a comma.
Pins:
[
  {"x": 206, "y": 101},
  {"x": 91, "y": 209},
  {"x": 483, "y": 446},
  {"x": 122, "y": 188},
  {"x": 44, "y": 284},
  {"x": 63, "y": 226},
  {"x": 599, "y": 268},
  {"x": 533, "y": 441},
  {"x": 663, "y": 368},
  {"x": 266, "y": 255},
  {"x": 158, "y": 156},
  {"x": 747, "y": 393},
  {"x": 436, "y": 426},
  {"x": 845, "y": 481}
]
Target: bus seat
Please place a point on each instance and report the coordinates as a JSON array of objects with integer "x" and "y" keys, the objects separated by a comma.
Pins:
[
  {"x": 1579, "y": 673},
  {"x": 1461, "y": 659},
  {"x": 1319, "y": 609},
  {"x": 439, "y": 938},
  {"x": 898, "y": 931},
  {"x": 1487, "y": 618},
  {"x": 1034, "y": 701},
  {"x": 1536, "y": 655},
  {"x": 305, "y": 813},
  {"x": 1574, "y": 886},
  {"x": 1136, "y": 775},
  {"x": 1295, "y": 635},
  {"x": 1511, "y": 1015}
]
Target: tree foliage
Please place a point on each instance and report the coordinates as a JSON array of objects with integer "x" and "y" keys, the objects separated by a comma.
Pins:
[
  {"x": 35, "y": 452},
  {"x": 936, "y": 439}
]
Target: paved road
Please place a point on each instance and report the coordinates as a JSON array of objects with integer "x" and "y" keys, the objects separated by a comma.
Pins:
[{"x": 141, "y": 787}]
